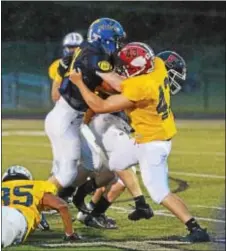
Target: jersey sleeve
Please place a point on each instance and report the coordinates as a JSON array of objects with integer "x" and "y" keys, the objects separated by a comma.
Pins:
[
  {"x": 46, "y": 187},
  {"x": 92, "y": 57},
  {"x": 52, "y": 71},
  {"x": 135, "y": 89}
]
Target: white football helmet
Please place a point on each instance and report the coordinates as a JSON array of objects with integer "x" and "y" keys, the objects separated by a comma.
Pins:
[
  {"x": 17, "y": 172},
  {"x": 72, "y": 39}
]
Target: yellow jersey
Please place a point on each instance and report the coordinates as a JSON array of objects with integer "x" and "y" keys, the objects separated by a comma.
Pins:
[
  {"x": 152, "y": 118},
  {"x": 26, "y": 196},
  {"x": 53, "y": 70}
]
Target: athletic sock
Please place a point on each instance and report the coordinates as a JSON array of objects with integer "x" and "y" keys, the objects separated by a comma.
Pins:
[
  {"x": 83, "y": 190},
  {"x": 101, "y": 206},
  {"x": 66, "y": 192},
  {"x": 91, "y": 205},
  {"x": 140, "y": 201},
  {"x": 192, "y": 224}
]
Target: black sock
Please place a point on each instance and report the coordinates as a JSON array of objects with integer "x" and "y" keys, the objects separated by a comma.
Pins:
[
  {"x": 66, "y": 192},
  {"x": 92, "y": 204},
  {"x": 101, "y": 206},
  {"x": 83, "y": 190},
  {"x": 192, "y": 224},
  {"x": 139, "y": 201}
]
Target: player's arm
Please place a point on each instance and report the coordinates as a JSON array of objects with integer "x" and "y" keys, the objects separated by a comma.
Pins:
[
  {"x": 56, "y": 80},
  {"x": 51, "y": 201},
  {"x": 113, "y": 103},
  {"x": 55, "y": 95},
  {"x": 113, "y": 79}
]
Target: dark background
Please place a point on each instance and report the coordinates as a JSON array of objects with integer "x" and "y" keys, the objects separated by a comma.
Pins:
[{"x": 32, "y": 33}]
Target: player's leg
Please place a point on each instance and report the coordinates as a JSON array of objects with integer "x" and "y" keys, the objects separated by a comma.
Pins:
[
  {"x": 62, "y": 127},
  {"x": 115, "y": 191},
  {"x": 14, "y": 226},
  {"x": 120, "y": 158},
  {"x": 91, "y": 204},
  {"x": 154, "y": 171},
  {"x": 95, "y": 198}
]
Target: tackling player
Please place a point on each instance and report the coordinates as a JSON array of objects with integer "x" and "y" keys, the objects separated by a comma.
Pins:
[
  {"x": 22, "y": 201},
  {"x": 145, "y": 95},
  {"x": 94, "y": 35}
]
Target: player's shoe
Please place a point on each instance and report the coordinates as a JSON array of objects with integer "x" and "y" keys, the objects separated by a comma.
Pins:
[
  {"x": 43, "y": 225},
  {"x": 99, "y": 222},
  {"x": 108, "y": 219},
  {"x": 72, "y": 238},
  {"x": 197, "y": 235},
  {"x": 141, "y": 213},
  {"x": 81, "y": 216}
]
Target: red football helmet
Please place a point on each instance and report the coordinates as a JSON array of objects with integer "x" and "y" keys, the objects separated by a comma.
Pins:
[{"x": 136, "y": 59}]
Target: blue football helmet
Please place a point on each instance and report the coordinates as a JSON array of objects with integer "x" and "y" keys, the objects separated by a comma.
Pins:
[
  {"x": 107, "y": 31},
  {"x": 176, "y": 68}
]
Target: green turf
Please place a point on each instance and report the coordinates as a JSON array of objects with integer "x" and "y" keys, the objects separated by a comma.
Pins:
[{"x": 198, "y": 149}]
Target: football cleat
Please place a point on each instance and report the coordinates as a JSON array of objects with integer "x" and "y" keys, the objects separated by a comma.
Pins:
[
  {"x": 108, "y": 219},
  {"x": 141, "y": 213},
  {"x": 81, "y": 216},
  {"x": 99, "y": 222},
  {"x": 197, "y": 235}
]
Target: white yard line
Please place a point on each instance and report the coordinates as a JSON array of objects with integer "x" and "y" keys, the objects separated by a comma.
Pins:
[
  {"x": 195, "y": 153},
  {"x": 218, "y": 208},
  {"x": 161, "y": 213},
  {"x": 23, "y": 133},
  {"x": 200, "y": 175}
]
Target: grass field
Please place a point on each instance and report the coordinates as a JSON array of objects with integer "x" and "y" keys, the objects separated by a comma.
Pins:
[{"x": 196, "y": 169}]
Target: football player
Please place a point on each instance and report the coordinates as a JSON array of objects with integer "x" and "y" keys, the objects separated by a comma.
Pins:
[
  {"x": 176, "y": 68},
  {"x": 70, "y": 42},
  {"x": 107, "y": 138},
  {"x": 22, "y": 201},
  {"x": 62, "y": 124},
  {"x": 145, "y": 95}
]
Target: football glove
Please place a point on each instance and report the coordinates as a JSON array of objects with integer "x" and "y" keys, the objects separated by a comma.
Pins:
[{"x": 64, "y": 64}]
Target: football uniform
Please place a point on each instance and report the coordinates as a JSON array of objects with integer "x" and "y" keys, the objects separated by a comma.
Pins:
[
  {"x": 154, "y": 126},
  {"x": 153, "y": 119},
  {"x": 21, "y": 201},
  {"x": 52, "y": 71},
  {"x": 62, "y": 124}
]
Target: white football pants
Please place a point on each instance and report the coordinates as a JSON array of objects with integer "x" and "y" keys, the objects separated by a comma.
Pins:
[
  {"x": 14, "y": 226},
  {"x": 151, "y": 157},
  {"x": 62, "y": 126}
]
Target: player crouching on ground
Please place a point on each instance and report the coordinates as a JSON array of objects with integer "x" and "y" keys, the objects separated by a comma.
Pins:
[
  {"x": 145, "y": 96},
  {"x": 23, "y": 199}
]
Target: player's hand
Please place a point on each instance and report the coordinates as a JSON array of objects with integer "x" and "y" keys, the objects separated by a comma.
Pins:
[
  {"x": 71, "y": 238},
  {"x": 76, "y": 76},
  {"x": 64, "y": 65}
]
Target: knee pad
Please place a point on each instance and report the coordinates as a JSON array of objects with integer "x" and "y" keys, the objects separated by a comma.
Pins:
[{"x": 66, "y": 172}]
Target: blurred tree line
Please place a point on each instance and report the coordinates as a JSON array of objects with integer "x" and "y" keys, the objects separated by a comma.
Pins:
[
  {"x": 32, "y": 33},
  {"x": 180, "y": 22}
]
